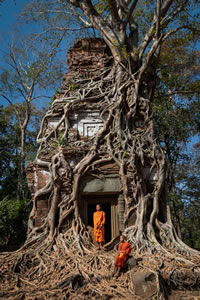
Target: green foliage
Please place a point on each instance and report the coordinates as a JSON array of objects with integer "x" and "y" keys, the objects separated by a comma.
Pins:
[
  {"x": 126, "y": 155},
  {"x": 13, "y": 222},
  {"x": 176, "y": 105},
  {"x": 124, "y": 51},
  {"x": 188, "y": 198},
  {"x": 10, "y": 147},
  {"x": 9, "y": 143},
  {"x": 73, "y": 87},
  {"x": 61, "y": 140},
  {"x": 51, "y": 100},
  {"x": 102, "y": 5},
  {"x": 176, "y": 111},
  {"x": 123, "y": 48},
  {"x": 179, "y": 67}
]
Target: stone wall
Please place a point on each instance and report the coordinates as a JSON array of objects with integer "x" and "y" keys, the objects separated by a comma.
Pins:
[{"x": 88, "y": 57}]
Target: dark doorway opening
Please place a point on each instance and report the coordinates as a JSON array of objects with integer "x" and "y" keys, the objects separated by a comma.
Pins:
[
  {"x": 109, "y": 204},
  {"x": 106, "y": 207}
]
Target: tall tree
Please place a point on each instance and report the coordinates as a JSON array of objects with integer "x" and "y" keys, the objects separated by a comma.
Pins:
[
  {"x": 188, "y": 196},
  {"x": 27, "y": 72},
  {"x": 10, "y": 148},
  {"x": 136, "y": 53},
  {"x": 14, "y": 210},
  {"x": 176, "y": 99}
]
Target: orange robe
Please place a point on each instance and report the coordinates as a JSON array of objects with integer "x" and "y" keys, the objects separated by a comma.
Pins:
[
  {"x": 121, "y": 258},
  {"x": 99, "y": 218}
]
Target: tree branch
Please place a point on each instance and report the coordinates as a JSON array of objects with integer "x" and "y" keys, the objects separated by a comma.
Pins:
[
  {"x": 169, "y": 33},
  {"x": 63, "y": 29},
  {"x": 174, "y": 93},
  {"x": 151, "y": 53},
  {"x": 165, "y": 7},
  {"x": 114, "y": 11},
  {"x": 158, "y": 7},
  {"x": 28, "y": 107},
  {"x": 147, "y": 39},
  {"x": 22, "y": 93},
  {"x": 41, "y": 96},
  {"x": 13, "y": 58},
  {"x": 131, "y": 9}
]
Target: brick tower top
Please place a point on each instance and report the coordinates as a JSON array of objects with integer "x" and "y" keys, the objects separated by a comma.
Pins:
[
  {"x": 87, "y": 58},
  {"x": 88, "y": 54}
]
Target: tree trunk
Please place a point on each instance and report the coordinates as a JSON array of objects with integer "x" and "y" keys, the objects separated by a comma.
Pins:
[
  {"x": 21, "y": 169},
  {"x": 23, "y": 129}
]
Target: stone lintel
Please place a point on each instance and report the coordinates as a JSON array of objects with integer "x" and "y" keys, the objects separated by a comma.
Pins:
[{"x": 108, "y": 183}]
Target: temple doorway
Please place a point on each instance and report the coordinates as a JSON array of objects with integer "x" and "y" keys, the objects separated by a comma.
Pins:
[
  {"x": 108, "y": 203},
  {"x": 106, "y": 207}
]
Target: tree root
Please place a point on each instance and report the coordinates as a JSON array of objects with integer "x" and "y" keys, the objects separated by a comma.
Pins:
[{"x": 68, "y": 274}]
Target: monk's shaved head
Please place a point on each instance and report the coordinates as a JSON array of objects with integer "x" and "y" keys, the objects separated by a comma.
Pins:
[
  {"x": 122, "y": 238},
  {"x": 98, "y": 207}
]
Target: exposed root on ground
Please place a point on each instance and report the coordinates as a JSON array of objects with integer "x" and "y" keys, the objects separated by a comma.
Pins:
[{"x": 65, "y": 274}]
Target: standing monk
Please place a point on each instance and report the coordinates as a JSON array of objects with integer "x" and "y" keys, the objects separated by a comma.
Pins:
[
  {"x": 99, "y": 218},
  {"x": 123, "y": 252}
]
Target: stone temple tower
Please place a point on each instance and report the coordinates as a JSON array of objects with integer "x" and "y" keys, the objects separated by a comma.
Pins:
[
  {"x": 87, "y": 59},
  {"x": 73, "y": 124},
  {"x": 73, "y": 121}
]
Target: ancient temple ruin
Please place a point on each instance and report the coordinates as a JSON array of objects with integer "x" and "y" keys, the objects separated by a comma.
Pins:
[
  {"x": 87, "y": 57},
  {"x": 71, "y": 124}
]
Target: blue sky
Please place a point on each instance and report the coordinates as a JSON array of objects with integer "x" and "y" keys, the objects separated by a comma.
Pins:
[
  {"x": 9, "y": 10},
  {"x": 10, "y": 26}
]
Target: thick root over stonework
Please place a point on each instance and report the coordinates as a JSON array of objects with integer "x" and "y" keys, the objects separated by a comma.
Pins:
[{"x": 126, "y": 139}]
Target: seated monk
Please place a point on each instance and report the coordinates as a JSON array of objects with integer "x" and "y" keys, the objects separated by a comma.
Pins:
[
  {"x": 99, "y": 219},
  {"x": 123, "y": 253}
]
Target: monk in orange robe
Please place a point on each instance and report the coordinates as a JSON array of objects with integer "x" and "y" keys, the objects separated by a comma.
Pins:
[
  {"x": 99, "y": 218},
  {"x": 123, "y": 253}
]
